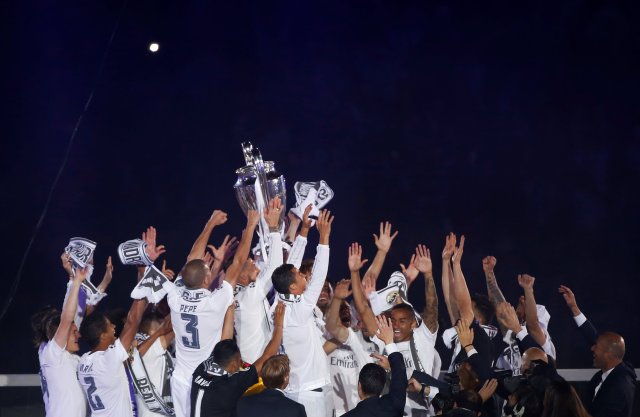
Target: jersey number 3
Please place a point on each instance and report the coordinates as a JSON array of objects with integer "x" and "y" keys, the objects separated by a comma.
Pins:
[
  {"x": 192, "y": 329},
  {"x": 94, "y": 401}
]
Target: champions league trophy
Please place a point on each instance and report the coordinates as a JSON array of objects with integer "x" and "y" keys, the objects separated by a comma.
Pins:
[{"x": 259, "y": 182}]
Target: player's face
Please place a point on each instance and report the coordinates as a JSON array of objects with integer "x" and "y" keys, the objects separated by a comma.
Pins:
[
  {"x": 299, "y": 280},
  {"x": 110, "y": 332},
  {"x": 72, "y": 340},
  {"x": 402, "y": 322},
  {"x": 325, "y": 295},
  {"x": 345, "y": 314}
]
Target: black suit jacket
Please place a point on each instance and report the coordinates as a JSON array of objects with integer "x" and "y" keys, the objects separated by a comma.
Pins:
[
  {"x": 615, "y": 396},
  {"x": 391, "y": 404},
  {"x": 269, "y": 403}
]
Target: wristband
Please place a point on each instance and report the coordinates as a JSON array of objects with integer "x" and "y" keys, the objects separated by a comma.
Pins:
[{"x": 423, "y": 388}]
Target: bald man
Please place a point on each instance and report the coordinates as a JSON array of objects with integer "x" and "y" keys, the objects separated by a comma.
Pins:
[
  {"x": 530, "y": 355},
  {"x": 611, "y": 389}
]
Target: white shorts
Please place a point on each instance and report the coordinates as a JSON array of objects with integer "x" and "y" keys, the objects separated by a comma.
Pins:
[
  {"x": 181, "y": 394},
  {"x": 316, "y": 404}
]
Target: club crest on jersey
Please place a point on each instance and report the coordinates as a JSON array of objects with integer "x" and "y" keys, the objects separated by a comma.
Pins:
[
  {"x": 391, "y": 297},
  {"x": 192, "y": 296}
]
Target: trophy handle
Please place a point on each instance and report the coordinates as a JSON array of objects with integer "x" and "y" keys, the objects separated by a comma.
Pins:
[
  {"x": 247, "y": 151},
  {"x": 258, "y": 165}
]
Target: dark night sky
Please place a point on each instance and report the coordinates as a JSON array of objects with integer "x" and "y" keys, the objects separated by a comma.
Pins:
[{"x": 517, "y": 126}]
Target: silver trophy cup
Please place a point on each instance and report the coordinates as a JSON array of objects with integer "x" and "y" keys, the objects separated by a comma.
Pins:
[{"x": 271, "y": 183}]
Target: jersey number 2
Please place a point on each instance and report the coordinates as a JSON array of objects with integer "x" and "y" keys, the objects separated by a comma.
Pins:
[
  {"x": 190, "y": 327},
  {"x": 94, "y": 401}
]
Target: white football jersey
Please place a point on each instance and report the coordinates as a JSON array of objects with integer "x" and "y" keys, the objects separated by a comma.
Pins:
[
  {"x": 104, "y": 380},
  {"x": 301, "y": 339},
  {"x": 251, "y": 318},
  {"x": 197, "y": 317},
  {"x": 61, "y": 391},
  {"x": 345, "y": 364},
  {"x": 154, "y": 363}
]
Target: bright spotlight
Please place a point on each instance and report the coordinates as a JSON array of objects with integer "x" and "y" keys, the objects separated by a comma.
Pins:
[{"x": 154, "y": 47}]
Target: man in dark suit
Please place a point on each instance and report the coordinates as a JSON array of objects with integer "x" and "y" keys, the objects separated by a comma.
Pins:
[
  {"x": 611, "y": 389},
  {"x": 370, "y": 384},
  {"x": 271, "y": 401}
]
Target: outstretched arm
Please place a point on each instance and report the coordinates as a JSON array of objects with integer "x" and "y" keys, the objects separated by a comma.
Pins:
[
  {"x": 362, "y": 305},
  {"x": 447, "y": 278},
  {"x": 424, "y": 265},
  {"x": 493, "y": 290},
  {"x": 587, "y": 329},
  {"x": 200, "y": 245},
  {"x": 461, "y": 292},
  {"x": 334, "y": 325},
  {"x": 321, "y": 263},
  {"x": 253, "y": 217},
  {"x": 276, "y": 337},
  {"x": 531, "y": 312},
  {"x": 164, "y": 329},
  {"x": 383, "y": 243},
  {"x": 70, "y": 307}
]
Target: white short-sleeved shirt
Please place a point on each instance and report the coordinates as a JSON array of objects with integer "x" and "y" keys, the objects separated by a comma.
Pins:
[
  {"x": 197, "y": 317},
  {"x": 344, "y": 365},
  {"x": 424, "y": 341},
  {"x": 104, "y": 381},
  {"x": 61, "y": 391},
  {"x": 154, "y": 363},
  {"x": 251, "y": 318},
  {"x": 301, "y": 338}
]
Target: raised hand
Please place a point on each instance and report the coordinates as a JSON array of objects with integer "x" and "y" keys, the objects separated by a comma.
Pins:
[
  {"x": 526, "y": 281},
  {"x": 489, "y": 264},
  {"x": 465, "y": 334},
  {"x": 385, "y": 239},
  {"x": 168, "y": 272},
  {"x": 457, "y": 252},
  {"x": 488, "y": 389},
  {"x": 422, "y": 260},
  {"x": 325, "y": 220},
  {"x": 385, "y": 330},
  {"x": 253, "y": 218},
  {"x": 410, "y": 272},
  {"x": 306, "y": 221},
  {"x": 570, "y": 299},
  {"x": 66, "y": 263},
  {"x": 368, "y": 285},
  {"x": 221, "y": 251},
  {"x": 507, "y": 316},
  {"x": 382, "y": 360},
  {"x": 82, "y": 274},
  {"x": 272, "y": 214},
  {"x": 109, "y": 267},
  {"x": 152, "y": 250},
  {"x": 449, "y": 246},
  {"x": 355, "y": 257},
  {"x": 218, "y": 217},
  {"x": 413, "y": 385},
  {"x": 342, "y": 290}
]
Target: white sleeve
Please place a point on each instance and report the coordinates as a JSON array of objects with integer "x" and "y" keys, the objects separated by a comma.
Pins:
[
  {"x": 274, "y": 260},
  {"x": 580, "y": 319},
  {"x": 296, "y": 254},
  {"x": 51, "y": 354},
  {"x": 359, "y": 353},
  {"x": 115, "y": 354},
  {"x": 318, "y": 276},
  {"x": 430, "y": 337}
]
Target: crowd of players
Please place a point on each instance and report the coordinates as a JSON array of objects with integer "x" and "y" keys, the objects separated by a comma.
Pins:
[{"x": 241, "y": 335}]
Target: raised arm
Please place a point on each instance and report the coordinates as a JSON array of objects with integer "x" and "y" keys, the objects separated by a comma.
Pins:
[
  {"x": 531, "y": 312},
  {"x": 300, "y": 243},
  {"x": 333, "y": 323},
  {"x": 217, "y": 218},
  {"x": 493, "y": 290},
  {"x": 227, "y": 324},
  {"x": 383, "y": 243},
  {"x": 69, "y": 308},
  {"x": 242, "y": 252},
  {"x": 276, "y": 337},
  {"x": 587, "y": 329},
  {"x": 362, "y": 305},
  {"x": 461, "y": 292},
  {"x": 447, "y": 278},
  {"x": 108, "y": 275},
  {"x": 164, "y": 329},
  {"x": 321, "y": 263},
  {"x": 424, "y": 265},
  {"x": 294, "y": 223}
]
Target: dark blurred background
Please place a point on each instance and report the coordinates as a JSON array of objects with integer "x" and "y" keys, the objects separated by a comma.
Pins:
[{"x": 516, "y": 125}]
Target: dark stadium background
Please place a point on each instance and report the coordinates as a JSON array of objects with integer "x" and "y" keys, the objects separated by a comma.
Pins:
[{"x": 517, "y": 125}]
